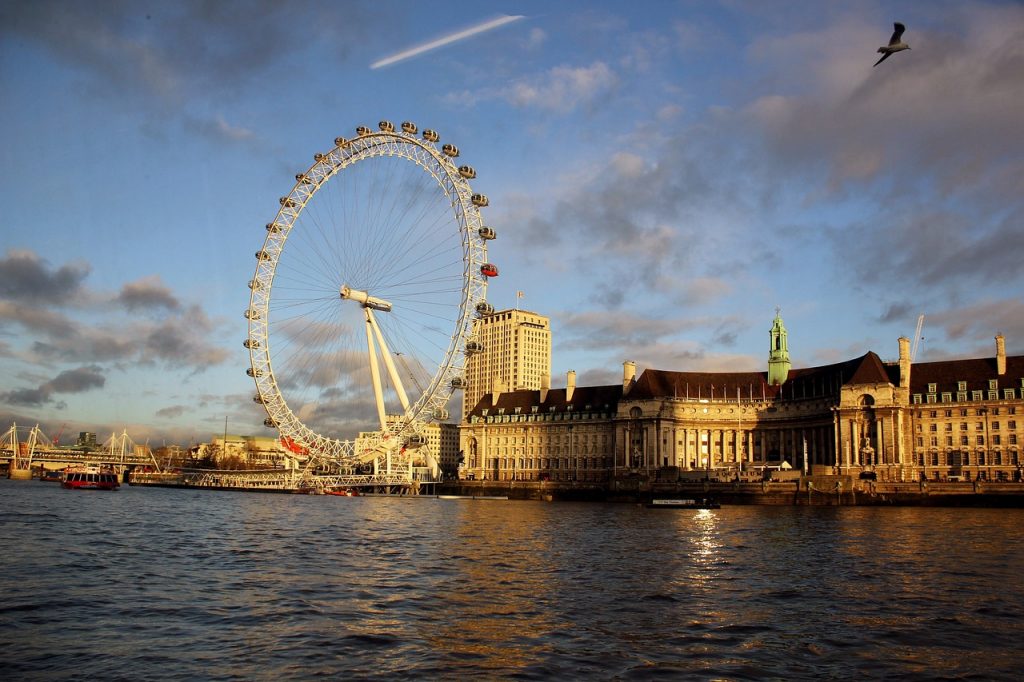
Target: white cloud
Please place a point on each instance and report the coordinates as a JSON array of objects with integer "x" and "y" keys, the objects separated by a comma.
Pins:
[{"x": 563, "y": 88}]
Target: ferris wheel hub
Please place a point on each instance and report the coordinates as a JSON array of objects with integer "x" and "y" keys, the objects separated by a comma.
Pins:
[{"x": 365, "y": 299}]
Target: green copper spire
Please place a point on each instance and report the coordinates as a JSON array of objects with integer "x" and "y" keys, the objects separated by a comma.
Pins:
[{"x": 778, "y": 353}]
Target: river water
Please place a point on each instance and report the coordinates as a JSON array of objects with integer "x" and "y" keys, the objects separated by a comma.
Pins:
[{"x": 148, "y": 583}]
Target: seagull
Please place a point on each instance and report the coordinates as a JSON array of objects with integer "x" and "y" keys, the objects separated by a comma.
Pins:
[{"x": 896, "y": 43}]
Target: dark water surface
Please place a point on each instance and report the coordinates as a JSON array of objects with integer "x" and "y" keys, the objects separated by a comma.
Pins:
[{"x": 172, "y": 584}]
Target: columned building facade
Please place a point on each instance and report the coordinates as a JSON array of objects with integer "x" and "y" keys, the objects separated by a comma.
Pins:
[{"x": 954, "y": 419}]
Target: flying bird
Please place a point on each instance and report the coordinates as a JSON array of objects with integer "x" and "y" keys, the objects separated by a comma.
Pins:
[{"x": 896, "y": 43}]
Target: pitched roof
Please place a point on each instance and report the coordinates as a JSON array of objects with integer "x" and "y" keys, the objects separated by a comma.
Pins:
[
  {"x": 596, "y": 397},
  {"x": 977, "y": 372}
]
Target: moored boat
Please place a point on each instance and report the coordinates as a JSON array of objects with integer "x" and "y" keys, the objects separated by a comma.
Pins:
[
  {"x": 89, "y": 478},
  {"x": 699, "y": 503},
  {"x": 344, "y": 492}
]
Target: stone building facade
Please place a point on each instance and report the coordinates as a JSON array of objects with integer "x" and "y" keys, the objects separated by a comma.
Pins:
[{"x": 899, "y": 420}]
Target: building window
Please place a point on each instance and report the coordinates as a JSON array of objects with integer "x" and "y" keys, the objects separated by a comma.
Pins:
[
  {"x": 961, "y": 396},
  {"x": 997, "y": 440},
  {"x": 963, "y": 412},
  {"x": 933, "y": 427},
  {"x": 963, "y": 426},
  {"x": 993, "y": 395},
  {"x": 931, "y": 398},
  {"x": 976, "y": 395},
  {"x": 947, "y": 397},
  {"x": 995, "y": 426},
  {"x": 981, "y": 440},
  {"x": 1008, "y": 394},
  {"x": 993, "y": 384},
  {"x": 949, "y": 440},
  {"x": 963, "y": 440},
  {"x": 961, "y": 385},
  {"x": 917, "y": 398},
  {"x": 931, "y": 388}
]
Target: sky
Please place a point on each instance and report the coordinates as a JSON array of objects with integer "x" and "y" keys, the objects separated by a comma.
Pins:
[{"x": 662, "y": 176}]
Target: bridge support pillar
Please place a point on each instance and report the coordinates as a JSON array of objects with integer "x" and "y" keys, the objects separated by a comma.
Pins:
[{"x": 20, "y": 474}]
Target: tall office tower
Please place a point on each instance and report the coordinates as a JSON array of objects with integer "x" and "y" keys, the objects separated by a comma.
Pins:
[{"x": 516, "y": 355}]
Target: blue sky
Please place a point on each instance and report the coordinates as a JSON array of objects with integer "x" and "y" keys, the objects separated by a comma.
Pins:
[{"x": 662, "y": 175}]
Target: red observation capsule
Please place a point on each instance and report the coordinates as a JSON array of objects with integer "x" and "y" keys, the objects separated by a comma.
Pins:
[{"x": 489, "y": 270}]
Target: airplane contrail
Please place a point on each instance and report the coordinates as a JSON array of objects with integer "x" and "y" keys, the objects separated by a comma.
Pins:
[{"x": 446, "y": 40}]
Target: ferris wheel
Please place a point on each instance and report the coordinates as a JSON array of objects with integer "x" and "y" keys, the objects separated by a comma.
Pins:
[{"x": 360, "y": 312}]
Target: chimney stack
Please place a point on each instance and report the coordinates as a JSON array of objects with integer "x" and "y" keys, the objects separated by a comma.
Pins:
[
  {"x": 570, "y": 384},
  {"x": 1000, "y": 355},
  {"x": 904, "y": 362},
  {"x": 496, "y": 389},
  {"x": 628, "y": 375}
]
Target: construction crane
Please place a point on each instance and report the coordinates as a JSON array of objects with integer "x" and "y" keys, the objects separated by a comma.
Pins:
[
  {"x": 60, "y": 431},
  {"x": 917, "y": 337}
]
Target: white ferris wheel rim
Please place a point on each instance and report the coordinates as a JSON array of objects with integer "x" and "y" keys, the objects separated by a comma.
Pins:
[{"x": 454, "y": 186}]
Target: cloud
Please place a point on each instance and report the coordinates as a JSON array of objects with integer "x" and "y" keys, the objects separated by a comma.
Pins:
[
  {"x": 76, "y": 380},
  {"x": 171, "y": 412},
  {"x": 218, "y": 130},
  {"x": 563, "y": 88},
  {"x": 930, "y": 147},
  {"x": 24, "y": 276},
  {"x": 162, "y": 56},
  {"x": 146, "y": 294}
]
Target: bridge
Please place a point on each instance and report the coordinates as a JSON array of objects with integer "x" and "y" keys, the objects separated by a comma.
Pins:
[{"x": 23, "y": 447}]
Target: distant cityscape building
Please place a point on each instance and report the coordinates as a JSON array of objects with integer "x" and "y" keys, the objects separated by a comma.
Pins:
[
  {"x": 900, "y": 420},
  {"x": 86, "y": 439},
  {"x": 440, "y": 450},
  {"x": 253, "y": 452},
  {"x": 516, "y": 355}
]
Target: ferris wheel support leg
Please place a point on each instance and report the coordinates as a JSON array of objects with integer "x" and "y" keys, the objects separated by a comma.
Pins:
[
  {"x": 378, "y": 394},
  {"x": 388, "y": 362}
]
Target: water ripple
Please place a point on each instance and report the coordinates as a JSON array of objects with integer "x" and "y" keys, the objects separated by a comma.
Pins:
[{"x": 165, "y": 584}]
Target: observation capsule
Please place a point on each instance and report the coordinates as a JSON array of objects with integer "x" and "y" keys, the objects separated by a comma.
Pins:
[
  {"x": 467, "y": 172},
  {"x": 416, "y": 440},
  {"x": 258, "y": 399},
  {"x": 340, "y": 142},
  {"x": 450, "y": 150},
  {"x": 273, "y": 228},
  {"x": 254, "y": 372},
  {"x": 269, "y": 423},
  {"x": 251, "y": 343},
  {"x": 409, "y": 127},
  {"x": 458, "y": 382},
  {"x": 252, "y": 314},
  {"x": 288, "y": 202},
  {"x": 431, "y": 135},
  {"x": 480, "y": 200},
  {"x": 487, "y": 233},
  {"x": 316, "y": 157},
  {"x": 386, "y": 126},
  {"x": 262, "y": 255},
  {"x": 362, "y": 130},
  {"x": 483, "y": 309},
  {"x": 489, "y": 270},
  {"x": 255, "y": 284},
  {"x": 302, "y": 178},
  {"x": 441, "y": 414},
  {"x": 474, "y": 347}
]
